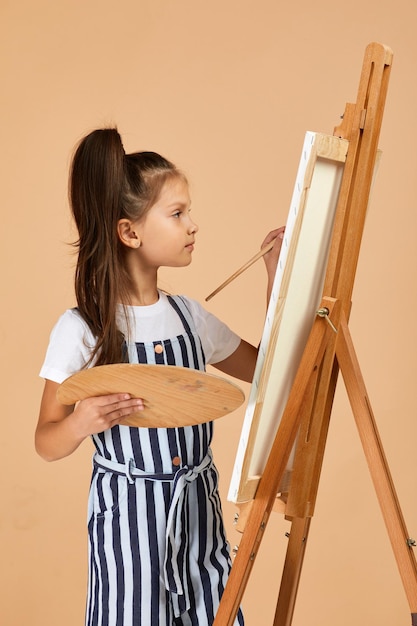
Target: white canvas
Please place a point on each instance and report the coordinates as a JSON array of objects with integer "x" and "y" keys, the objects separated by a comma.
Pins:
[{"x": 296, "y": 295}]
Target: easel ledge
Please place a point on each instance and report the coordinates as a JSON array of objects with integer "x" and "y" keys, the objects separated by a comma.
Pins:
[{"x": 310, "y": 402}]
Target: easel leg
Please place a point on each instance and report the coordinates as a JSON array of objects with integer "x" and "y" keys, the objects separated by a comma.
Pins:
[
  {"x": 378, "y": 466},
  {"x": 292, "y": 571},
  {"x": 319, "y": 339}
]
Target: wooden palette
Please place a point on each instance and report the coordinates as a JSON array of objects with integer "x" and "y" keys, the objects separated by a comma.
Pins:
[{"x": 173, "y": 396}]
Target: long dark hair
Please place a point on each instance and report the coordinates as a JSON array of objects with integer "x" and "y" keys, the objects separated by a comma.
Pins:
[{"x": 107, "y": 185}]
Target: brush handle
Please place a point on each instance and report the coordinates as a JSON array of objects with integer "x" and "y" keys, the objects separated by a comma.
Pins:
[{"x": 244, "y": 267}]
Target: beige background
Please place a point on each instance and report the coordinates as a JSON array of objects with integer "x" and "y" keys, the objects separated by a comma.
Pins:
[{"x": 226, "y": 89}]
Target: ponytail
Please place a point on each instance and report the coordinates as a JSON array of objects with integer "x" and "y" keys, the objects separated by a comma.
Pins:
[{"x": 105, "y": 186}]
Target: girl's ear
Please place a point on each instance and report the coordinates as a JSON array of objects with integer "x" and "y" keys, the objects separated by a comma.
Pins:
[{"x": 127, "y": 234}]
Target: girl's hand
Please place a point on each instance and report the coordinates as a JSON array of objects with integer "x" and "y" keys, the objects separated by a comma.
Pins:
[
  {"x": 97, "y": 414},
  {"x": 61, "y": 429},
  {"x": 271, "y": 257}
]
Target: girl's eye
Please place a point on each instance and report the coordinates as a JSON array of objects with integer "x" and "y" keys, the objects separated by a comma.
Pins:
[{"x": 177, "y": 214}]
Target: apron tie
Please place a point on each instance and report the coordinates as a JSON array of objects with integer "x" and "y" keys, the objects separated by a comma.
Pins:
[{"x": 176, "y": 564}]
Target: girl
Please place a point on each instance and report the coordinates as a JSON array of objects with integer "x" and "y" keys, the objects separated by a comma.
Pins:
[{"x": 158, "y": 555}]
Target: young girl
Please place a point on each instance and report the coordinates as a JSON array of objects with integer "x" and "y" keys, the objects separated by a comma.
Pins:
[{"x": 158, "y": 554}]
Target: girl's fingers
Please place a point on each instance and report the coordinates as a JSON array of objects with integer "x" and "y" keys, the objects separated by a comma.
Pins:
[
  {"x": 120, "y": 411},
  {"x": 112, "y": 398},
  {"x": 100, "y": 413},
  {"x": 126, "y": 406},
  {"x": 112, "y": 406},
  {"x": 277, "y": 233}
]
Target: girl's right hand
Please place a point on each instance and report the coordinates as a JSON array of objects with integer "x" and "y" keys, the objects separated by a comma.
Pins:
[
  {"x": 61, "y": 429},
  {"x": 97, "y": 414}
]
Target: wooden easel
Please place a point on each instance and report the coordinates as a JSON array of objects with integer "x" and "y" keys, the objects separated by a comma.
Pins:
[{"x": 307, "y": 414}]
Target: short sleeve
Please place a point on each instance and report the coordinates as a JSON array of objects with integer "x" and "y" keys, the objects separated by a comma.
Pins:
[
  {"x": 69, "y": 349},
  {"x": 218, "y": 340}
]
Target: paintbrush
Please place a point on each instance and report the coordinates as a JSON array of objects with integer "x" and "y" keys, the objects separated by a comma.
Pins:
[{"x": 242, "y": 269}]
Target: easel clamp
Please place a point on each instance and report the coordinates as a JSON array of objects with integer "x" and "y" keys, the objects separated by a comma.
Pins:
[{"x": 324, "y": 312}]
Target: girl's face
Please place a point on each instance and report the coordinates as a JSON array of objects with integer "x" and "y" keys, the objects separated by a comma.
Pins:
[{"x": 167, "y": 232}]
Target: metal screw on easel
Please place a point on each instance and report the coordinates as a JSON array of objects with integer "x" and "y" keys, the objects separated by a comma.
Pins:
[
  {"x": 324, "y": 312},
  {"x": 289, "y": 534},
  {"x": 411, "y": 543}
]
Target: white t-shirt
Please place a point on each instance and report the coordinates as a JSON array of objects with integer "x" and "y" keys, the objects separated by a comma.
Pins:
[{"x": 71, "y": 340}]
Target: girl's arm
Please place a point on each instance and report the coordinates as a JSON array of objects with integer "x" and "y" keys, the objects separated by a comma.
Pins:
[
  {"x": 61, "y": 429},
  {"x": 241, "y": 364}
]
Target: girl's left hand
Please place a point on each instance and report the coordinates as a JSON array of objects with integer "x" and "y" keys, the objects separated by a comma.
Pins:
[{"x": 271, "y": 257}]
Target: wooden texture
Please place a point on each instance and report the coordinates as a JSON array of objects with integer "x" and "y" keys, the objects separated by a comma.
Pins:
[
  {"x": 361, "y": 127},
  {"x": 307, "y": 413},
  {"x": 173, "y": 396},
  {"x": 297, "y": 543},
  {"x": 319, "y": 339}
]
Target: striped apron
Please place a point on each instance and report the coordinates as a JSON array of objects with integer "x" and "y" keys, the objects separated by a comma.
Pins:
[{"x": 158, "y": 554}]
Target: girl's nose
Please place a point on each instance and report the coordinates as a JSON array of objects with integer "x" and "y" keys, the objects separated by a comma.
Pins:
[{"x": 193, "y": 226}]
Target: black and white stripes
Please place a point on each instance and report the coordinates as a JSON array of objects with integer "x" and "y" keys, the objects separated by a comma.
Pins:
[{"x": 155, "y": 517}]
